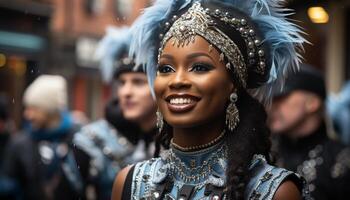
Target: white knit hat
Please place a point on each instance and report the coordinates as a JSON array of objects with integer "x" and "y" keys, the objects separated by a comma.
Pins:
[{"x": 48, "y": 92}]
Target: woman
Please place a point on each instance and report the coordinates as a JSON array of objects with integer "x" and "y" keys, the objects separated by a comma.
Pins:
[{"x": 211, "y": 70}]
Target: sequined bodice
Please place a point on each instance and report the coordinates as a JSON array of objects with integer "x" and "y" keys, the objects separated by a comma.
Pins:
[
  {"x": 195, "y": 167},
  {"x": 200, "y": 175}
]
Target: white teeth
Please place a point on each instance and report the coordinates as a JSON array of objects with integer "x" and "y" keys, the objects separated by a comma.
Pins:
[{"x": 180, "y": 101}]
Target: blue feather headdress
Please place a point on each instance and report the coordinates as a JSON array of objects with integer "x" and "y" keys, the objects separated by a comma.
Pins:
[
  {"x": 113, "y": 46},
  {"x": 283, "y": 38}
]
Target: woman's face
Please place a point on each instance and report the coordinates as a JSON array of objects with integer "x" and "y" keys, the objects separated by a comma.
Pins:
[{"x": 192, "y": 84}]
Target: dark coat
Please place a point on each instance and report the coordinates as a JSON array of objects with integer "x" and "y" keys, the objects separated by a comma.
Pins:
[
  {"x": 25, "y": 163},
  {"x": 324, "y": 163}
]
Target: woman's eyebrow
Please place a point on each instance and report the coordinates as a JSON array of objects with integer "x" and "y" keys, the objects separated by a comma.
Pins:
[
  {"x": 167, "y": 56},
  {"x": 198, "y": 54}
]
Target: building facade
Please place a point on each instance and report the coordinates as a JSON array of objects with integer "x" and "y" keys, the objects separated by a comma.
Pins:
[{"x": 24, "y": 41}]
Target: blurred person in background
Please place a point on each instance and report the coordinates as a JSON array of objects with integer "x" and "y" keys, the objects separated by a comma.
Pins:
[
  {"x": 297, "y": 120},
  {"x": 7, "y": 186},
  {"x": 125, "y": 134},
  {"x": 6, "y": 125},
  {"x": 42, "y": 160}
]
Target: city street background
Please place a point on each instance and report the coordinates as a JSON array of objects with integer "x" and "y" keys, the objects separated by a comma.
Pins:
[{"x": 60, "y": 37}]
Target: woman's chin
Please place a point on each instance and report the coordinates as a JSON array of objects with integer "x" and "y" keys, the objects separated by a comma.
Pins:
[{"x": 183, "y": 123}]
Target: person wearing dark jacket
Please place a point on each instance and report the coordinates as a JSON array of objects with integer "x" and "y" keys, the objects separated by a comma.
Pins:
[
  {"x": 41, "y": 159},
  {"x": 297, "y": 120}
]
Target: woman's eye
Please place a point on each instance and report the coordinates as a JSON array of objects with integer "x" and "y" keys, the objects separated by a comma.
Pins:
[
  {"x": 200, "y": 67},
  {"x": 165, "y": 69}
]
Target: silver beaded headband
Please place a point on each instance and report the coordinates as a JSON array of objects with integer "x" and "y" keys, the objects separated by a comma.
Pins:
[{"x": 198, "y": 21}]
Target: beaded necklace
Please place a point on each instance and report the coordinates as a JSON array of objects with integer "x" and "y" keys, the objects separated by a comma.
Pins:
[
  {"x": 198, "y": 147},
  {"x": 195, "y": 172}
]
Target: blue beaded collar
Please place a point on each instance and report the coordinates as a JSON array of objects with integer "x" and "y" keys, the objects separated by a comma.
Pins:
[{"x": 207, "y": 165}]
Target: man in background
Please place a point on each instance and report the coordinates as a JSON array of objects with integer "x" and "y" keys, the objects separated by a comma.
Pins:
[
  {"x": 125, "y": 134},
  {"x": 41, "y": 159},
  {"x": 297, "y": 120}
]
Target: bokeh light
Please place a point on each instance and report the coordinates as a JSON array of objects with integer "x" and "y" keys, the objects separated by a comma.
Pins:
[
  {"x": 318, "y": 15},
  {"x": 2, "y": 60}
]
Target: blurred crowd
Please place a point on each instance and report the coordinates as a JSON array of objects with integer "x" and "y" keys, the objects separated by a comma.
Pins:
[{"x": 59, "y": 154}]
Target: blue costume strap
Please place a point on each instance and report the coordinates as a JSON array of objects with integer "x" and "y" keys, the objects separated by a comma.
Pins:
[
  {"x": 143, "y": 178},
  {"x": 265, "y": 180},
  {"x": 136, "y": 185}
]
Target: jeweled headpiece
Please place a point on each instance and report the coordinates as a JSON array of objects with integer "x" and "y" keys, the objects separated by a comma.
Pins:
[
  {"x": 196, "y": 21},
  {"x": 254, "y": 38}
]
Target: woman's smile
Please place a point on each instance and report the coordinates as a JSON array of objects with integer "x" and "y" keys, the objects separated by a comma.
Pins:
[{"x": 181, "y": 103}]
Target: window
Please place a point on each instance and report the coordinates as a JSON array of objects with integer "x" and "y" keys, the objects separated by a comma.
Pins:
[
  {"x": 94, "y": 6},
  {"x": 123, "y": 8}
]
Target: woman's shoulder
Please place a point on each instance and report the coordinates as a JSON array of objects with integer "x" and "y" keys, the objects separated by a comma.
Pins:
[
  {"x": 265, "y": 180},
  {"x": 120, "y": 182}
]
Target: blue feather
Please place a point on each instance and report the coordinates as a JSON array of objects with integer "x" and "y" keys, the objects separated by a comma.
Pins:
[
  {"x": 283, "y": 37},
  {"x": 112, "y": 47},
  {"x": 145, "y": 33}
]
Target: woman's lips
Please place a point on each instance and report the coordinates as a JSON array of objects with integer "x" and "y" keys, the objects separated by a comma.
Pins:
[{"x": 181, "y": 103}]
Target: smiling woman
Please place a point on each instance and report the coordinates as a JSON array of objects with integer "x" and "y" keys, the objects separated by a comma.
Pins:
[
  {"x": 209, "y": 81},
  {"x": 190, "y": 87}
]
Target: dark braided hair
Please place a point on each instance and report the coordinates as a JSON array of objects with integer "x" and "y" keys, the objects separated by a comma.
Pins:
[
  {"x": 163, "y": 138},
  {"x": 250, "y": 137}
]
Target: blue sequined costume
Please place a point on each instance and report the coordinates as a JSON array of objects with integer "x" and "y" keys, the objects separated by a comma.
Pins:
[
  {"x": 201, "y": 175},
  {"x": 109, "y": 152}
]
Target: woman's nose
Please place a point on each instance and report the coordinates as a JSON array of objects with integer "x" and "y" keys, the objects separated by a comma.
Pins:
[{"x": 180, "y": 80}]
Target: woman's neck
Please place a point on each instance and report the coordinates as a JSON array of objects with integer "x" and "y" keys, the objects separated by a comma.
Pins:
[{"x": 200, "y": 135}]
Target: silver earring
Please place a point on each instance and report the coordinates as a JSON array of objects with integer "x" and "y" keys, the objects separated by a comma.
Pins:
[
  {"x": 160, "y": 122},
  {"x": 232, "y": 114}
]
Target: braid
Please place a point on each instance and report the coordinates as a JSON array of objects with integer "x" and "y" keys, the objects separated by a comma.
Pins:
[
  {"x": 163, "y": 138},
  {"x": 250, "y": 137}
]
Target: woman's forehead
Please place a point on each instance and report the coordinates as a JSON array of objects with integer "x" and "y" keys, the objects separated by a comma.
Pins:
[{"x": 199, "y": 45}]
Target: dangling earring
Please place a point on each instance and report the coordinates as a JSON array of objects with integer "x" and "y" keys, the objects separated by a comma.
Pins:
[
  {"x": 232, "y": 114},
  {"x": 160, "y": 122}
]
